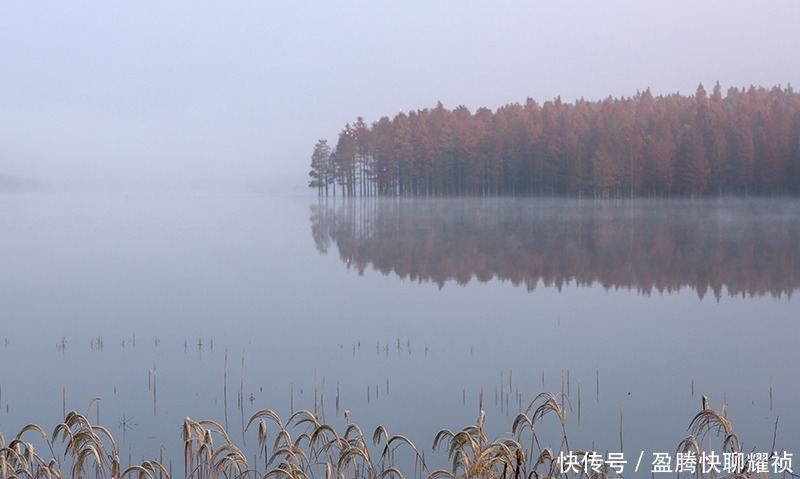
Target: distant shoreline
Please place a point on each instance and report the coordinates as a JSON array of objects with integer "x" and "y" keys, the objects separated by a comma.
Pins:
[{"x": 8, "y": 182}]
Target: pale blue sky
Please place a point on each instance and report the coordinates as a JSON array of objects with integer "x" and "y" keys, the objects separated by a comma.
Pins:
[{"x": 123, "y": 93}]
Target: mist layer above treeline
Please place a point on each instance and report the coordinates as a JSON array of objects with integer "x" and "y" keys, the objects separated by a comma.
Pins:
[
  {"x": 744, "y": 142},
  {"x": 731, "y": 246}
]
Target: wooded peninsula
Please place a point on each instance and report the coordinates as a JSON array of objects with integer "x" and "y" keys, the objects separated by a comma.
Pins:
[{"x": 745, "y": 142}]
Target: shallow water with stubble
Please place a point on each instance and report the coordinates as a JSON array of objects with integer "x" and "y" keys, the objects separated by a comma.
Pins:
[{"x": 413, "y": 314}]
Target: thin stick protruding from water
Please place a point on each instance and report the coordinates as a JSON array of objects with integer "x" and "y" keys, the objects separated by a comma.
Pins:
[
  {"x": 568, "y": 381},
  {"x": 775, "y": 433},
  {"x": 770, "y": 393},
  {"x": 241, "y": 385},
  {"x": 155, "y": 387},
  {"x": 322, "y": 401},
  {"x": 725, "y": 404},
  {"x": 597, "y": 384},
  {"x": 502, "y": 398},
  {"x": 225, "y": 387},
  {"x": 620, "y": 429},
  {"x": 241, "y": 401},
  {"x": 579, "y": 402}
]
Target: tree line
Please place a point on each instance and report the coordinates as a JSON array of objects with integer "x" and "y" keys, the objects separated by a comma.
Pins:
[{"x": 744, "y": 142}]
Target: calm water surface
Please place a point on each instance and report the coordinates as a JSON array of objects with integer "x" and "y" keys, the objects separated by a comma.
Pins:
[{"x": 166, "y": 305}]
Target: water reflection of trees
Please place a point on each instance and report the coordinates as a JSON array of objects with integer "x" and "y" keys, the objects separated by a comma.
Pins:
[{"x": 744, "y": 247}]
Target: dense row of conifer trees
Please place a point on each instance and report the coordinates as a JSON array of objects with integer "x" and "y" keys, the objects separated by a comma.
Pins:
[{"x": 745, "y": 142}]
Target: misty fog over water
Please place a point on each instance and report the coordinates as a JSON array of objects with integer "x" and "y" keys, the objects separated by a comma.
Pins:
[
  {"x": 409, "y": 308},
  {"x": 165, "y": 254}
]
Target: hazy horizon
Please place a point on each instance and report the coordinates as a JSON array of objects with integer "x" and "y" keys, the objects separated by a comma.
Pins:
[{"x": 150, "y": 94}]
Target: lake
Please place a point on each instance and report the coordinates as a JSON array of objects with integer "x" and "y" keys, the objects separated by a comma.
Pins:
[{"x": 413, "y": 314}]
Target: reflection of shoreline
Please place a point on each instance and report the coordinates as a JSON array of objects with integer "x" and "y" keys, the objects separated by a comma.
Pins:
[{"x": 742, "y": 246}]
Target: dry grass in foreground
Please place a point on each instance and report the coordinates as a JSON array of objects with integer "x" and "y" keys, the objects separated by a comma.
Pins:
[{"x": 321, "y": 452}]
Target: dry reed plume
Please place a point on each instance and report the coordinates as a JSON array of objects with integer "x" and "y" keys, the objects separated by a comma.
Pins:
[{"x": 305, "y": 447}]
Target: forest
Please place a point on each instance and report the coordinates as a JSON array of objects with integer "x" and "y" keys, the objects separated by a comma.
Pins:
[{"x": 744, "y": 142}]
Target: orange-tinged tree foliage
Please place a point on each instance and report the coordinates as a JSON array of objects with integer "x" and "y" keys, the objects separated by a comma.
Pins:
[{"x": 746, "y": 141}]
